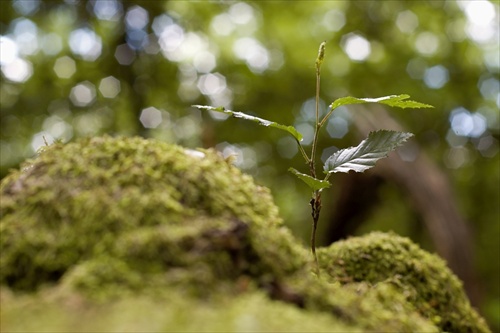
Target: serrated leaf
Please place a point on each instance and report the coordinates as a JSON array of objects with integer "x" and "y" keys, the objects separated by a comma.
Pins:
[
  {"x": 367, "y": 153},
  {"x": 313, "y": 183},
  {"x": 290, "y": 129},
  {"x": 399, "y": 101}
]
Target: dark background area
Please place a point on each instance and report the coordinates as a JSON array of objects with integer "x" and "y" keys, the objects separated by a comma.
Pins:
[{"x": 74, "y": 68}]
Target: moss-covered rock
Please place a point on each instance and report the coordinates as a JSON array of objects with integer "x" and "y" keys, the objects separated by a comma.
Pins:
[
  {"x": 422, "y": 278},
  {"x": 118, "y": 218},
  {"x": 158, "y": 207}
]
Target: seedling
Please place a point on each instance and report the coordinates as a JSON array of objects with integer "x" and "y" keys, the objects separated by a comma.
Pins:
[{"x": 360, "y": 158}]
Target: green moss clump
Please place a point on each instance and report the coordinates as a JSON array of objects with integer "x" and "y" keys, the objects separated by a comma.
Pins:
[
  {"x": 423, "y": 278},
  {"x": 157, "y": 207}
]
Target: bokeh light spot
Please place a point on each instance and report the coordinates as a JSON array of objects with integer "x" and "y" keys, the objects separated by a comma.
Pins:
[
  {"x": 456, "y": 157},
  {"x": 109, "y": 10},
  {"x": 136, "y": 39},
  {"x": 91, "y": 123},
  {"x": 204, "y": 62},
  {"x": 211, "y": 84},
  {"x": 222, "y": 24},
  {"x": 480, "y": 12},
  {"x": 41, "y": 139},
  {"x": 334, "y": 20},
  {"x": 191, "y": 45},
  {"x": 337, "y": 127},
  {"x": 58, "y": 128},
  {"x": 490, "y": 88},
  {"x": 186, "y": 128},
  {"x": 136, "y": 18},
  {"x": 427, "y": 43},
  {"x": 255, "y": 55},
  {"x": 308, "y": 109},
  {"x": 416, "y": 68},
  {"x": 124, "y": 54},
  {"x": 170, "y": 39},
  {"x": 488, "y": 146},
  {"x": 407, "y": 21},
  {"x": 307, "y": 132},
  {"x": 455, "y": 140},
  {"x": 18, "y": 70},
  {"x": 287, "y": 147},
  {"x": 64, "y": 67},
  {"x": 241, "y": 13},
  {"x": 242, "y": 156},
  {"x": 356, "y": 47},
  {"x": 52, "y": 44},
  {"x": 160, "y": 23},
  {"x": 8, "y": 50},
  {"x": 26, "y": 7},
  {"x": 85, "y": 43},
  {"x": 150, "y": 117},
  {"x": 83, "y": 94},
  {"x": 436, "y": 77},
  {"x": 464, "y": 123},
  {"x": 482, "y": 21},
  {"x": 26, "y": 36},
  {"x": 109, "y": 87}
]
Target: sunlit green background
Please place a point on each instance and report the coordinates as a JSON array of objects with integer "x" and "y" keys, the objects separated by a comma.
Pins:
[{"x": 84, "y": 68}]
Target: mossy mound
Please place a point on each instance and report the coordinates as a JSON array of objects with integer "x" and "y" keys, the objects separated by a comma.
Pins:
[
  {"x": 423, "y": 278},
  {"x": 120, "y": 218},
  {"x": 49, "y": 311},
  {"x": 159, "y": 207}
]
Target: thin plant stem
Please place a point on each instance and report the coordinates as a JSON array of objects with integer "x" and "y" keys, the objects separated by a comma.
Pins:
[
  {"x": 319, "y": 61},
  {"x": 316, "y": 200},
  {"x": 315, "y": 210},
  {"x": 316, "y": 131},
  {"x": 313, "y": 245},
  {"x": 325, "y": 118},
  {"x": 303, "y": 152}
]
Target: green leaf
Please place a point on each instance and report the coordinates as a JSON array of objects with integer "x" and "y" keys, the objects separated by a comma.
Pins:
[
  {"x": 290, "y": 129},
  {"x": 399, "y": 101},
  {"x": 367, "y": 153},
  {"x": 313, "y": 183}
]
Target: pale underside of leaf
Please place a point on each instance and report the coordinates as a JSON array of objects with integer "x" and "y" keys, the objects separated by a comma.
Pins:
[
  {"x": 290, "y": 129},
  {"x": 313, "y": 183},
  {"x": 367, "y": 153},
  {"x": 400, "y": 101}
]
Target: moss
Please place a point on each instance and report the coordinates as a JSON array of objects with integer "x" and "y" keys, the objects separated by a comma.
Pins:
[
  {"x": 115, "y": 196},
  {"x": 103, "y": 277},
  {"x": 50, "y": 311},
  {"x": 120, "y": 218},
  {"x": 380, "y": 307},
  {"x": 422, "y": 278}
]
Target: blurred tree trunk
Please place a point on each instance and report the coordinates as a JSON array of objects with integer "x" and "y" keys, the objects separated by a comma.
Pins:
[{"x": 424, "y": 184}]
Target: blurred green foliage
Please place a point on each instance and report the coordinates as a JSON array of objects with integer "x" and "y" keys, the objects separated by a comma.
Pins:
[{"x": 82, "y": 68}]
